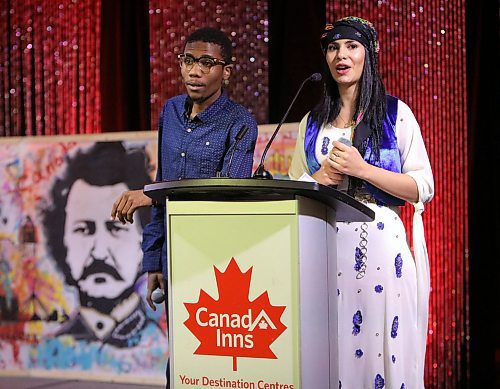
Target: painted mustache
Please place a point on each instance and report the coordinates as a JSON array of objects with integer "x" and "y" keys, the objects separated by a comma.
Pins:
[{"x": 99, "y": 266}]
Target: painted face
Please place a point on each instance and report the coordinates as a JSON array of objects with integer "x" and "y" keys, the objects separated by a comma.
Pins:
[
  {"x": 346, "y": 60},
  {"x": 203, "y": 88},
  {"x": 103, "y": 255}
]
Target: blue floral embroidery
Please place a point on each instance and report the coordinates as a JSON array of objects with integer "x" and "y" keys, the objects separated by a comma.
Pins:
[
  {"x": 398, "y": 263},
  {"x": 359, "y": 353},
  {"x": 379, "y": 288},
  {"x": 357, "y": 319},
  {"x": 394, "y": 328},
  {"x": 324, "y": 146},
  {"x": 379, "y": 382},
  {"x": 380, "y": 225},
  {"x": 357, "y": 258},
  {"x": 393, "y": 359},
  {"x": 403, "y": 386}
]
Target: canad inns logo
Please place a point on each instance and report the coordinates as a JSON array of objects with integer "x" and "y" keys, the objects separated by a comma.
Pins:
[{"x": 232, "y": 325}]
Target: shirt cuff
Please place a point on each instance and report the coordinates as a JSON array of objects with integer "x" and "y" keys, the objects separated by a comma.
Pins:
[{"x": 151, "y": 263}]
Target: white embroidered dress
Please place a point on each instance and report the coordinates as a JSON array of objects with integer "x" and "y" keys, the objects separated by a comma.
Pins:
[{"x": 382, "y": 298}]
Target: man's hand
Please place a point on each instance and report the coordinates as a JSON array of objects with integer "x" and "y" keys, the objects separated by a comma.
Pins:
[
  {"x": 155, "y": 280},
  {"x": 128, "y": 202}
]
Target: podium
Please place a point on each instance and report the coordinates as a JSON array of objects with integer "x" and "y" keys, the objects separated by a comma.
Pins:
[{"x": 252, "y": 289}]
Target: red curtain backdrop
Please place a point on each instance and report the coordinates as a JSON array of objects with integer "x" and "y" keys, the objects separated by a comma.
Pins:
[
  {"x": 422, "y": 61},
  {"x": 49, "y": 67},
  {"x": 50, "y": 84}
]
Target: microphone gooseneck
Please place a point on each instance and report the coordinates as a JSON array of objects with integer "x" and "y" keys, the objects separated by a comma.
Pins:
[
  {"x": 261, "y": 172},
  {"x": 239, "y": 136}
]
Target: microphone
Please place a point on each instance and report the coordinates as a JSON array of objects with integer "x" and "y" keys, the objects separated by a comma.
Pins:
[
  {"x": 239, "y": 136},
  {"x": 344, "y": 185},
  {"x": 261, "y": 172},
  {"x": 345, "y": 141},
  {"x": 158, "y": 296}
]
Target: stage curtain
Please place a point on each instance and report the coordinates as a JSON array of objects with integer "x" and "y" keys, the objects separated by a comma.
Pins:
[
  {"x": 484, "y": 211},
  {"x": 294, "y": 54},
  {"x": 125, "y": 85},
  {"x": 49, "y": 67}
]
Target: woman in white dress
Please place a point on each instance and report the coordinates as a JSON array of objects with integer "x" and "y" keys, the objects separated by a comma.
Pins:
[{"x": 383, "y": 289}]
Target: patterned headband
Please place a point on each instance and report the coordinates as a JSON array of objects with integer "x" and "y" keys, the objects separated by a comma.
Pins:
[{"x": 351, "y": 27}]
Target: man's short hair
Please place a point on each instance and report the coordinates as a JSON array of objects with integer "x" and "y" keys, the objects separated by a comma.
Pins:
[
  {"x": 103, "y": 164},
  {"x": 216, "y": 36}
]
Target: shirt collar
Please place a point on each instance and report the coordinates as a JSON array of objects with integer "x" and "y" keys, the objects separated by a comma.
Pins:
[{"x": 209, "y": 112}]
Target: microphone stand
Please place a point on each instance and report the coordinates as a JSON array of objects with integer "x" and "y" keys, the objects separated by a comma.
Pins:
[
  {"x": 239, "y": 136},
  {"x": 261, "y": 172}
]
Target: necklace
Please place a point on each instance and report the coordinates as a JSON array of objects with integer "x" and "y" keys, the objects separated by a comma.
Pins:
[{"x": 347, "y": 124}]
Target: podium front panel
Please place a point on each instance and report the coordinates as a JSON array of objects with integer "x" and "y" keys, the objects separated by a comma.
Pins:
[{"x": 233, "y": 294}]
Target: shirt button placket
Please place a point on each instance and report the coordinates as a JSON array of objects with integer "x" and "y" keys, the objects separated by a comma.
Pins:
[{"x": 183, "y": 162}]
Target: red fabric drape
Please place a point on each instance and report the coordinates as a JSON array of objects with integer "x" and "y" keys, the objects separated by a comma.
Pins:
[{"x": 49, "y": 67}]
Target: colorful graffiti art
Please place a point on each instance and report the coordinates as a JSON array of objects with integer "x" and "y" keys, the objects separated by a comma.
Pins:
[{"x": 71, "y": 291}]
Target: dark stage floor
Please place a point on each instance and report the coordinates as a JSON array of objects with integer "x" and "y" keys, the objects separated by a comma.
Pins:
[{"x": 49, "y": 383}]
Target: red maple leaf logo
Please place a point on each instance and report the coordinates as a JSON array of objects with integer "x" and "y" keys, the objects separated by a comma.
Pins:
[{"x": 233, "y": 325}]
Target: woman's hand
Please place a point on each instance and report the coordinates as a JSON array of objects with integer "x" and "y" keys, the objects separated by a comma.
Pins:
[
  {"x": 347, "y": 160},
  {"x": 327, "y": 174}
]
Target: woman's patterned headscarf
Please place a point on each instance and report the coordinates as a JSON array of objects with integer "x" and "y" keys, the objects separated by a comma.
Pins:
[{"x": 352, "y": 27}]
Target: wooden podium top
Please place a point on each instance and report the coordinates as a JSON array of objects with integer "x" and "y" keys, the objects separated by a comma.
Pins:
[{"x": 347, "y": 208}]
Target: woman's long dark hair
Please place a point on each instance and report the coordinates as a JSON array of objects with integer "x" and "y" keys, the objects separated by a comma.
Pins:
[{"x": 370, "y": 102}]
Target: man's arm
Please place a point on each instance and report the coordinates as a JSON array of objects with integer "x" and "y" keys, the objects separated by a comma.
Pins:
[{"x": 128, "y": 202}]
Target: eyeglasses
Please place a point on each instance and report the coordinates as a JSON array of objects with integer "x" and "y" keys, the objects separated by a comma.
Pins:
[{"x": 205, "y": 63}]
